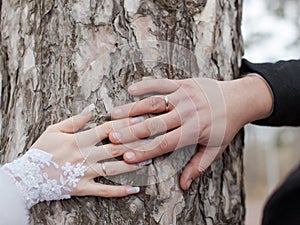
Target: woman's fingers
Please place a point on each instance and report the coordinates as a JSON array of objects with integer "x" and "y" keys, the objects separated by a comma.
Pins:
[
  {"x": 93, "y": 136},
  {"x": 107, "y": 191},
  {"x": 99, "y": 153},
  {"x": 74, "y": 123},
  {"x": 153, "y": 85},
  {"x": 112, "y": 168},
  {"x": 147, "y": 128},
  {"x": 198, "y": 164}
]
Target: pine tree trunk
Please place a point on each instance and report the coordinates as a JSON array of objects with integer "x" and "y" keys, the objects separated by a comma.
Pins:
[{"x": 59, "y": 56}]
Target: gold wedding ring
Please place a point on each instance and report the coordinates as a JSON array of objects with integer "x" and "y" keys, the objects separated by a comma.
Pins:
[
  {"x": 167, "y": 103},
  {"x": 103, "y": 169}
]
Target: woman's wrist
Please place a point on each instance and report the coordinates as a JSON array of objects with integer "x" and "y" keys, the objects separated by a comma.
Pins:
[
  {"x": 38, "y": 178},
  {"x": 247, "y": 99}
]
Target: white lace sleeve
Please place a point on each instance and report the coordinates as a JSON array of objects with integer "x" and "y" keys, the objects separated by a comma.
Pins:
[{"x": 40, "y": 179}]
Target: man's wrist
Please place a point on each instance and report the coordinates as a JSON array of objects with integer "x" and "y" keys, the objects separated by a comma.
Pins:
[
  {"x": 248, "y": 99},
  {"x": 268, "y": 93}
]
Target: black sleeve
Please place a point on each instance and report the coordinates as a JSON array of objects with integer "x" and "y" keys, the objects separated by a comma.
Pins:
[
  {"x": 284, "y": 204},
  {"x": 284, "y": 79}
]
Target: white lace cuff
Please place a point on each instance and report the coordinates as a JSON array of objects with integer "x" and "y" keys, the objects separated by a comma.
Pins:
[{"x": 40, "y": 179}]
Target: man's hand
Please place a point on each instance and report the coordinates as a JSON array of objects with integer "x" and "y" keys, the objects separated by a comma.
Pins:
[{"x": 192, "y": 111}]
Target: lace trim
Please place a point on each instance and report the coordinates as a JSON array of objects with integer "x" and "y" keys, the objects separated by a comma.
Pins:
[{"x": 40, "y": 179}]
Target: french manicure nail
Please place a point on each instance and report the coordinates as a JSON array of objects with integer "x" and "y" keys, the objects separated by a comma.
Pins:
[
  {"x": 133, "y": 88},
  {"x": 144, "y": 141},
  {"x": 137, "y": 119},
  {"x": 129, "y": 155},
  {"x": 132, "y": 190},
  {"x": 145, "y": 163},
  {"x": 87, "y": 110}
]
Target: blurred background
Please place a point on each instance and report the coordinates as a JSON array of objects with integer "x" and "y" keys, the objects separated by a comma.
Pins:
[{"x": 271, "y": 31}]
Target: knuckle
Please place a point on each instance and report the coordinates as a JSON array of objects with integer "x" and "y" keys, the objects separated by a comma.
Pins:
[
  {"x": 188, "y": 85},
  {"x": 80, "y": 190},
  {"x": 111, "y": 171},
  {"x": 151, "y": 127},
  {"x": 103, "y": 130},
  {"x": 104, "y": 192},
  {"x": 154, "y": 103},
  {"x": 201, "y": 169},
  {"x": 114, "y": 151},
  {"x": 198, "y": 167},
  {"x": 131, "y": 132},
  {"x": 133, "y": 107},
  {"x": 163, "y": 145},
  {"x": 107, "y": 127}
]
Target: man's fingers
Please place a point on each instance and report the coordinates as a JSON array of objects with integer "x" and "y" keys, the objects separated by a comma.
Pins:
[
  {"x": 156, "y": 147},
  {"x": 175, "y": 139},
  {"x": 98, "y": 133},
  {"x": 153, "y": 85},
  {"x": 153, "y": 104},
  {"x": 147, "y": 128},
  {"x": 74, "y": 123},
  {"x": 198, "y": 164}
]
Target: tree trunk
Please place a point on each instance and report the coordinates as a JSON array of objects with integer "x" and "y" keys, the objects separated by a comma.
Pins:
[{"x": 59, "y": 56}]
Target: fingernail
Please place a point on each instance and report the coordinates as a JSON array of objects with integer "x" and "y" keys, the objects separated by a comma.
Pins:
[
  {"x": 129, "y": 155},
  {"x": 132, "y": 190},
  {"x": 145, "y": 163},
  {"x": 144, "y": 141},
  {"x": 116, "y": 136},
  {"x": 137, "y": 119},
  {"x": 87, "y": 110},
  {"x": 133, "y": 88},
  {"x": 118, "y": 112}
]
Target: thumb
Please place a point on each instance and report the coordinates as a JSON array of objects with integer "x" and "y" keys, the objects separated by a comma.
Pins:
[
  {"x": 74, "y": 123},
  {"x": 198, "y": 164}
]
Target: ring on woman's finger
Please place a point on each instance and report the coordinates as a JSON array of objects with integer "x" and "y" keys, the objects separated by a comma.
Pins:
[
  {"x": 103, "y": 169},
  {"x": 166, "y": 102}
]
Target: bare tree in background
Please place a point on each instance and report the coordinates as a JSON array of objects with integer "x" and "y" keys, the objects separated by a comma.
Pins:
[{"x": 59, "y": 56}]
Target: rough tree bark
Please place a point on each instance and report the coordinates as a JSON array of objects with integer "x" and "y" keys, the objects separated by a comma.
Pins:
[{"x": 59, "y": 56}]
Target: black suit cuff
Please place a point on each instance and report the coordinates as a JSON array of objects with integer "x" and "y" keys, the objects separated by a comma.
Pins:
[{"x": 283, "y": 78}]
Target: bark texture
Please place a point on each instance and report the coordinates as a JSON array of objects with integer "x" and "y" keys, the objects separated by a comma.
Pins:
[{"x": 59, "y": 56}]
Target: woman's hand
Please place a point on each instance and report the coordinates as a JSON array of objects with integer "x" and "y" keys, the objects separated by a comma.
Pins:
[
  {"x": 203, "y": 111},
  {"x": 63, "y": 163}
]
